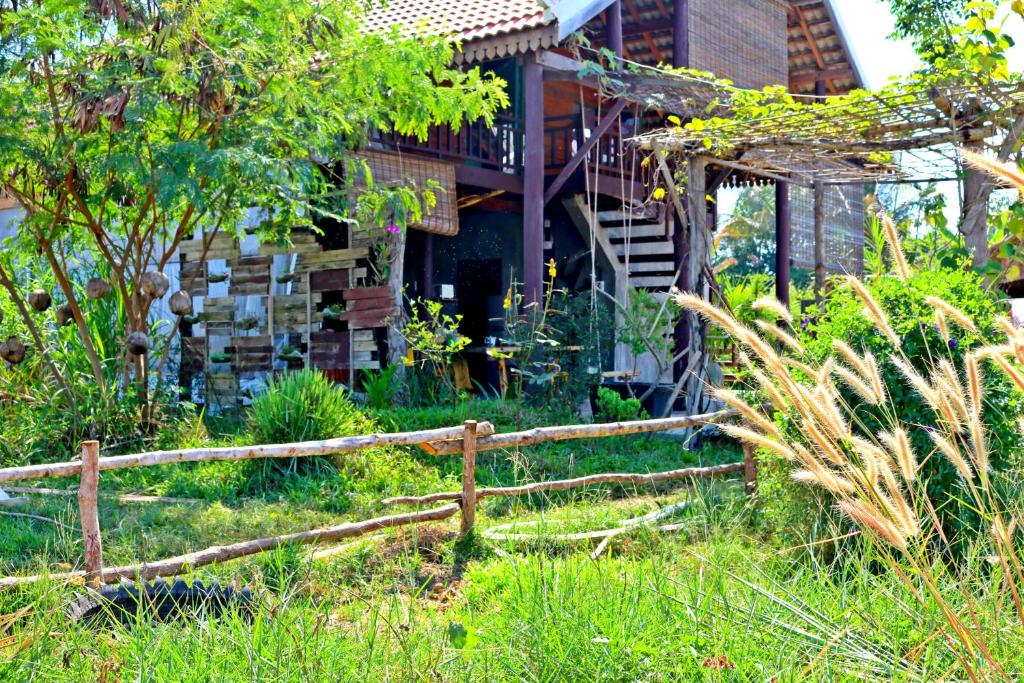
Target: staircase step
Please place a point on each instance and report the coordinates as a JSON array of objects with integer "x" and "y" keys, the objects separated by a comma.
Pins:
[
  {"x": 645, "y": 248},
  {"x": 637, "y": 230},
  {"x": 652, "y": 267},
  {"x": 640, "y": 214},
  {"x": 652, "y": 282}
]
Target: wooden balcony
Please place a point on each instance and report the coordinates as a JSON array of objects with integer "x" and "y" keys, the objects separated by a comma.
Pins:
[{"x": 485, "y": 150}]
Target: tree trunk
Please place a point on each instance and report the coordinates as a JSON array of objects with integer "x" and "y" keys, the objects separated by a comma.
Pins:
[
  {"x": 698, "y": 257},
  {"x": 974, "y": 213},
  {"x": 396, "y": 342}
]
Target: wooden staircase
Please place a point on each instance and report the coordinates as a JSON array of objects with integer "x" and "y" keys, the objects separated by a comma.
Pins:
[{"x": 637, "y": 241}]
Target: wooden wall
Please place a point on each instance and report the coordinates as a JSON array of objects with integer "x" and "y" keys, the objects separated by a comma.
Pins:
[{"x": 742, "y": 40}]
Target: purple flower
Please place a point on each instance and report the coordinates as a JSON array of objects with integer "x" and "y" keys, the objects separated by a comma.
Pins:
[
  {"x": 953, "y": 343},
  {"x": 394, "y": 228},
  {"x": 804, "y": 323}
]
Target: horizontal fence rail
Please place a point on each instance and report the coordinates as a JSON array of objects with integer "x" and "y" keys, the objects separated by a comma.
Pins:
[
  {"x": 303, "y": 449},
  {"x": 468, "y": 439}
]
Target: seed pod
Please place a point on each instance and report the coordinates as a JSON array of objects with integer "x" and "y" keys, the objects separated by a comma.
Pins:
[
  {"x": 180, "y": 303},
  {"x": 39, "y": 300},
  {"x": 97, "y": 288},
  {"x": 155, "y": 284},
  {"x": 64, "y": 315},
  {"x": 137, "y": 343},
  {"x": 12, "y": 351}
]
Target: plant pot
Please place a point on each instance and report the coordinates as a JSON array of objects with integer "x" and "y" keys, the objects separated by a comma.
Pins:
[{"x": 214, "y": 278}]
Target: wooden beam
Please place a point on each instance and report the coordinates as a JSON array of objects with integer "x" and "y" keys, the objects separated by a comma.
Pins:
[
  {"x": 606, "y": 122},
  {"x": 812, "y": 43},
  {"x": 488, "y": 178}
]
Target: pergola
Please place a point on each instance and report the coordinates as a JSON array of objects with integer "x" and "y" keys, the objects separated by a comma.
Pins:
[{"x": 810, "y": 141}]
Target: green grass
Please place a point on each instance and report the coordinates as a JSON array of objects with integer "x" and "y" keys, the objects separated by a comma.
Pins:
[{"x": 419, "y": 604}]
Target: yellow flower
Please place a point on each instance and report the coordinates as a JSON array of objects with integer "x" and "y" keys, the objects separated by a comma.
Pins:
[
  {"x": 658, "y": 194},
  {"x": 551, "y": 268},
  {"x": 507, "y": 303}
]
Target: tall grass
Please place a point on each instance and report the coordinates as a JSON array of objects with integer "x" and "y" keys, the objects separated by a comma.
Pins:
[
  {"x": 302, "y": 406},
  {"x": 873, "y": 475}
]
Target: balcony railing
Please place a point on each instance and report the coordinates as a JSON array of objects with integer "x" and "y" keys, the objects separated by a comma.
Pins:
[{"x": 500, "y": 145}]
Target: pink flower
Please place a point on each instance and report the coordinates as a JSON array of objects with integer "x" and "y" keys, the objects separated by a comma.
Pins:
[{"x": 394, "y": 228}]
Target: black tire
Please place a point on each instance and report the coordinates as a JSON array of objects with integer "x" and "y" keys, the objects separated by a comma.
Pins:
[{"x": 159, "y": 601}]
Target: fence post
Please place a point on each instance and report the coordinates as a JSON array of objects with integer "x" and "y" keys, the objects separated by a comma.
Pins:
[
  {"x": 468, "y": 477},
  {"x": 749, "y": 469},
  {"x": 87, "y": 507}
]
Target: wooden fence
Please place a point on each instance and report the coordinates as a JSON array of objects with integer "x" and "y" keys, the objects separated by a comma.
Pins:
[{"x": 469, "y": 439}]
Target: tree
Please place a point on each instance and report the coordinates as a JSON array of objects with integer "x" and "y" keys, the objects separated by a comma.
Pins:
[
  {"x": 966, "y": 41},
  {"x": 130, "y": 126},
  {"x": 928, "y": 22}
]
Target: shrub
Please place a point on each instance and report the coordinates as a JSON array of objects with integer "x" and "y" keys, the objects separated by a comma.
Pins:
[
  {"x": 914, "y": 320},
  {"x": 302, "y": 406},
  {"x": 380, "y": 387},
  {"x": 611, "y": 407}
]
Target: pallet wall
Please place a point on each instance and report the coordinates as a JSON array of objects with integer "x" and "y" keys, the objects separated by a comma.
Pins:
[{"x": 264, "y": 309}]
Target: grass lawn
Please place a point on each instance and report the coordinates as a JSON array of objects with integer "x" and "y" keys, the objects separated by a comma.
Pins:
[{"x": 711, "y": 600}]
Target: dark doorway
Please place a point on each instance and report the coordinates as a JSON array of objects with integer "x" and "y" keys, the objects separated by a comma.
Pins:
[{"x": 479, "y": 303}]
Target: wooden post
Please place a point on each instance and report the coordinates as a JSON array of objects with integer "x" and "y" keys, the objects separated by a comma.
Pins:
[
  {"x": 782, "y": 242},
  {"x": 615, "y": 28},
  {"x": 533, "y": 180},
  {"x": 749, "y": 469},
  {"x": 681, "y": 34},
  {"x": 468, "y": 477},
  {"x": 87, "y": 506},
  {"x": 819, "y": 241}
]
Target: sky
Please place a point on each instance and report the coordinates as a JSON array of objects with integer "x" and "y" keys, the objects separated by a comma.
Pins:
[{"x": 868, "y": 26}]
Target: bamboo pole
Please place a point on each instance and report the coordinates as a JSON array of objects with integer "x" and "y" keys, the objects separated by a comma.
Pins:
[
  {"x": 562, "y": 484},
  {"x": 468, "y": 478},
  {"x": 89, "y": 510},
  {"x": 292, "y": 450},
  {"x": 190, "y": 561},
  {"x": 537, "y": 435}
]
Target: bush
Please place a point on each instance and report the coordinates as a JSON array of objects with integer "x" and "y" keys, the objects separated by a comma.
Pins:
[
  {"x": 913, "y": 320},
  {"x": 380, "y": 387},
  {"x": 303, "y": 406},
  {"x": 611, "y": 407}
]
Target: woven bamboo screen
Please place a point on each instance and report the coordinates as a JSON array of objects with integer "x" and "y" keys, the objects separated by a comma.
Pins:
[
  {"x": 742, "y": 40},
  {"x": 844, "y": 228},
  {"x": 395, "y": 168}
]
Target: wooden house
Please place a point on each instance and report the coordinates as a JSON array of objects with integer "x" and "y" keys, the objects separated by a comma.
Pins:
[{"x": 549, "y": 178}]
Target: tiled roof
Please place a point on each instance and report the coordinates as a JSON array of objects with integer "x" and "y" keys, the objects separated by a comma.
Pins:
[{"x": 467, "y": 20}]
